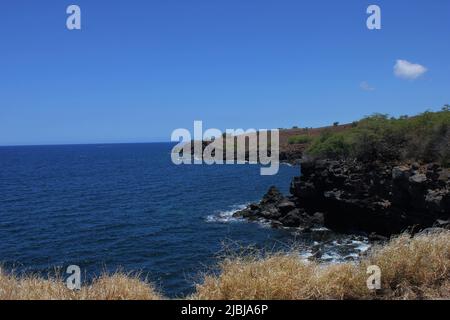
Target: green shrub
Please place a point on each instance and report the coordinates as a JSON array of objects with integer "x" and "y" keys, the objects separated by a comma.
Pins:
[
  {"x": 425, "y": 137},
  {"x": 330, "y": 145},
  {"x": 300, "y": 139}
]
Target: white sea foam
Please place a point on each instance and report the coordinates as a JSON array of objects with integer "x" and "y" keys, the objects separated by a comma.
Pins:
[
  {"x": 336, "y": 251},
  {"x": 306, "y": 255},
  {"x": 287, "y": 164},
  {"x": 362, "y": 246},
  {"x": 342, "y": 249},
  {"x": 320, "y": 229},
  {"x": 226, "y": 216}
]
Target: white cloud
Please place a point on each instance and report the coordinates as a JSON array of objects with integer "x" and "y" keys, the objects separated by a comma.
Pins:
[
  {"x": 407, "y": 70},
  {"x": 366, "y": 86}
]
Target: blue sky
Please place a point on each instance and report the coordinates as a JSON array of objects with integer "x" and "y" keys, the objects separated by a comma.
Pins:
[{"x": 139, "y": 69}]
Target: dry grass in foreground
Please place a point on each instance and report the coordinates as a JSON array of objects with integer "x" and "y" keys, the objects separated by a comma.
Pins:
[
  {"x": 412, "y": 268},
  {"x": 118, "y": 286}
]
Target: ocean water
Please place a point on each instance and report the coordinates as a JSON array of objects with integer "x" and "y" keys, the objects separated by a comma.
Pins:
[{"x": 127, "y": 207}]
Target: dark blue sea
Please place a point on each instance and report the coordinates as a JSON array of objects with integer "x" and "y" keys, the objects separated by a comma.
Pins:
[{"x": 126, "y": 206}]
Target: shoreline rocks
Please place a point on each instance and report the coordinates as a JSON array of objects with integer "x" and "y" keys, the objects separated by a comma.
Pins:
[
  {"x": 280, "y": 211},
  {"x": 349, "y": 196}
]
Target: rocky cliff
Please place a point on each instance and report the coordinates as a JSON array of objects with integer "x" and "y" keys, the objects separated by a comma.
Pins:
[{"x": 352, "y": 196}]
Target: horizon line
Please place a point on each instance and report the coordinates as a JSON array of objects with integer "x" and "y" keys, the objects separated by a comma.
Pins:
[{"x": 79, "y": 144}]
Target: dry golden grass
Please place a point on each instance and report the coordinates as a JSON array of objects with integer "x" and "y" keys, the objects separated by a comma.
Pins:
[
  {"x": 118, "y": 286},
  {"x": 412, "y": 268}
]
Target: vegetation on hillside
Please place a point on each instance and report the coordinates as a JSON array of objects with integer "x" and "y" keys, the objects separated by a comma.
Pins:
[
  {"x": 411, "y": 268},
  {"x": 300, "y": 139},
  {"x": 425, "y": 137}
]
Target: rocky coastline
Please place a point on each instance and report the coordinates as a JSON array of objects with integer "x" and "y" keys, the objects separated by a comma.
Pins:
[{"x": 349, "y": 196}]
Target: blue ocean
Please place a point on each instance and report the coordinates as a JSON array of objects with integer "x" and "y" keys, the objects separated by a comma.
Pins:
[{"x": 126, "y": 206}]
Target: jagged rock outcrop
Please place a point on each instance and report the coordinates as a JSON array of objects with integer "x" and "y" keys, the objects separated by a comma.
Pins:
[
  {"x": 351, "y": 196},
  {"x": 281, "y": 211},
  {"x": 374, "y": 197}
]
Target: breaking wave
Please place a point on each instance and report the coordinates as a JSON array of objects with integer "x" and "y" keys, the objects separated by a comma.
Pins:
[{"x": 227, "y": 215}]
